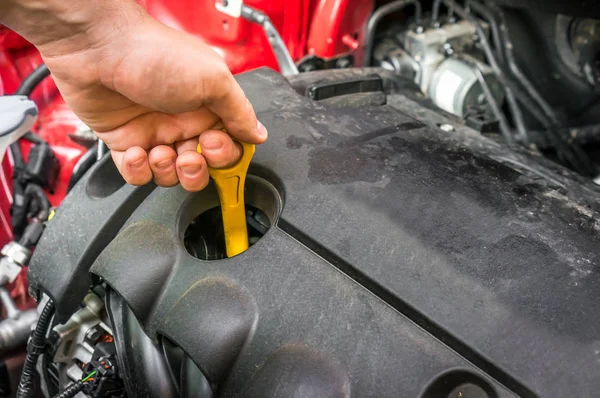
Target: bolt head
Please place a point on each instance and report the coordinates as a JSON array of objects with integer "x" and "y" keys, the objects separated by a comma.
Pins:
[{"x": 93, "y": 334}]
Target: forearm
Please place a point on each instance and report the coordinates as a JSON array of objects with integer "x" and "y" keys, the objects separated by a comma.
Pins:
[{"x": 56, "y": 26}]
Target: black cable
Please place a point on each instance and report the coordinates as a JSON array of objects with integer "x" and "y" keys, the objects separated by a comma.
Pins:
[
  {"x": 518, "y": 73},
  {"x": 34, "y": 191},
  {"x": 34, "y": 349},
  {"x": 33, "y": 80},
  {"x": 578, "y": 160},
  {"x": 20, "y": 206},
  {"x": 496, "y": 37},
  {"x": 538, "y": 115},
  {"x": 45, "y": 381},
  {"x": 31, "y": 198},
  {"x": 26, "y": 88},
  {"x": 504, "y": 126},
  {"x": 450, "y": 17},
  {"x": 379, "y": 14},
  {"x": 489, "y": 54},
  {"x": 569, "y": 153},
  {"x": 586, "y": 134},
  {"x": 34, "y": 138},
  {"x": 589, "y": 134},
  {"x": 83, "y": 165},
  {"x": 71, "y": 390},
  {"x": 435, "y": 13}
]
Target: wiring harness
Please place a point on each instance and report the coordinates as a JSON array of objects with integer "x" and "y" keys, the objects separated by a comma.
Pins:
[{"x": 519, "y": 89}]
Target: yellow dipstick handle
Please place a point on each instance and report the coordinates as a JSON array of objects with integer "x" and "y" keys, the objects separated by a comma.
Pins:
[{"x": 230, "y": 184}]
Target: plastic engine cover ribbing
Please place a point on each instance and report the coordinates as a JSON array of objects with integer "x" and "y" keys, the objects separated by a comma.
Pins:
[
  {"x": 95, "y": 210},
  {"x": 394, "y": 237}
]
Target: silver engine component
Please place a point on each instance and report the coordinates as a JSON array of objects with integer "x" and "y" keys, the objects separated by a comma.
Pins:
[
  {"x": 427, "y": 57},
  {"x": 455, "y": 88},
  {"x": 15, "y": 329},
  {"x": 14, "y": 257},
  {"x": 74, "y": 341},
  {"x": 237, "y": 9}
]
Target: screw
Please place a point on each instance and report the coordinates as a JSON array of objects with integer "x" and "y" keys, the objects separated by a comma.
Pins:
[
  {"x": 93, "y": 334},
  {"x": 448, "y": 49}
]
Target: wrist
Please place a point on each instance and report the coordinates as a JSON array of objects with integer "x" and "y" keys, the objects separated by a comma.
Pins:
[{"x": 62, "y": 27}]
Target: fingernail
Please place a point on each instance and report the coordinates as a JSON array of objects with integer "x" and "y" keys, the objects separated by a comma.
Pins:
[
  {"x": 137, "y": 163},
  {"x": 212, "y": 144},
  {"x": 164, "y": 164},
  {"x": 261, "y": 129},
  {"x": 191, "y": 170}
]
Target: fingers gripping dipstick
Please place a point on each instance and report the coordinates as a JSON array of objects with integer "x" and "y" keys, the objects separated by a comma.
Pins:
[{"x": 230, "y": 184}]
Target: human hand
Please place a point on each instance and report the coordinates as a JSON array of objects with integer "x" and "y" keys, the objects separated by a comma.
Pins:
[{"x": 151, "y": 93}]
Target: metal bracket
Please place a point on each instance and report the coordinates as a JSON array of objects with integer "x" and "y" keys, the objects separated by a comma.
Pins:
[
  {"x": 232, "y": 8},
  {"x": 15, "y": 257},
  {"x": 284, "y": 59},
  {"x": 237, "y": 9},
  {"x": 9, "y": 271},
  {"x": 17, "y": 253}
]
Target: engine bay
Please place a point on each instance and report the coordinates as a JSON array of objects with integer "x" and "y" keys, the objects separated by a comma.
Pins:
[{"x": 423, "y": 222}]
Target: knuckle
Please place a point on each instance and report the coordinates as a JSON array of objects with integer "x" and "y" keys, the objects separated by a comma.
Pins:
[
  {"x": 217, "y": 85},
  {"x": 250, "y": 109}
]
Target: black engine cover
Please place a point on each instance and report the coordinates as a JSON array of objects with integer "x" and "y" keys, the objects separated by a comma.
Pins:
[{"x": 405, "y": 261}]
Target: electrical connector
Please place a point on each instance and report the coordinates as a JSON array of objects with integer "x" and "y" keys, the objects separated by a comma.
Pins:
[
  {"x": 42, "y": 166},
  {"x": 102, "y": 372}
]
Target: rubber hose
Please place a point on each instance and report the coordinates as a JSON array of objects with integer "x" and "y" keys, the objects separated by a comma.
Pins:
[
  {"x": 72, "y": 390},
  {"x": 25, "y": 88},
  {"x": 34, "y": 349},
  {"x": 496, "y": 37},
  {"x": 378, "y": 15},
  {"x": 34, "y": 190},
  {"x": 18, "y": 213},
  {"x": 84, "y": 163},
  {"x": 33, "y": 80},
  {"x": 435, "y": 12},
  {"x": 578, "y": 159},
  {"x": 34, "y": 138}
]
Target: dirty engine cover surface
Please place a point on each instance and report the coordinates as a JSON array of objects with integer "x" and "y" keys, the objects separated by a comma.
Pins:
[{"x": 403, "y": 261}]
